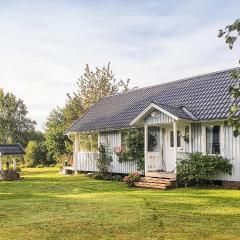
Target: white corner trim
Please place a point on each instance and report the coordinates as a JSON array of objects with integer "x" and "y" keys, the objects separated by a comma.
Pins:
[
  {"x": 147, "y": 109},
  {"x": 203, "y": 139}
]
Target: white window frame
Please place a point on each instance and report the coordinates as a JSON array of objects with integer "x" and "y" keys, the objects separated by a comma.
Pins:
[{"x": 204, "y": 138}]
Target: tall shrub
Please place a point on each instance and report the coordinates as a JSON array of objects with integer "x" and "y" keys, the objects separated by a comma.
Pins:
[
  {"x": 103, "y": 159},
  {"x": 197, "y": 168}
]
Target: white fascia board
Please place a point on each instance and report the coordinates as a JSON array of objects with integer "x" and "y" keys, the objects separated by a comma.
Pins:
[{"x": 148, "y": 108}]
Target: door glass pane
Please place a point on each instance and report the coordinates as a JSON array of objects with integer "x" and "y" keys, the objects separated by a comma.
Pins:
[{"x": 154, "y": 139}]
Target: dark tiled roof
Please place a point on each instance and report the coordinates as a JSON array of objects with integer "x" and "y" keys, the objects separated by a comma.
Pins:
[
  {"x": 205, "y": 97},
  {"x": 11, "y": 149},
  {"x": 176, "y": 111}
]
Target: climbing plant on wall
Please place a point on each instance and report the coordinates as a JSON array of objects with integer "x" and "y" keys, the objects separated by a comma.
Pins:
[{"x": 134, "y": 150}]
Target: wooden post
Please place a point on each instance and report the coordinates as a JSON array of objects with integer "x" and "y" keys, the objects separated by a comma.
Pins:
[
  {"x": 1, "y": 168},
  {"x": 76, "y": 148},
  {"x": 146, "y": 148},
  {"x": 175, "y": 143},
  {"x": 14, "y": 164}
]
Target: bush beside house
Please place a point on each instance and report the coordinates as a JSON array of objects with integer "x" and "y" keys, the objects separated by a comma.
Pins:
[{"x": 198, "y": 168}]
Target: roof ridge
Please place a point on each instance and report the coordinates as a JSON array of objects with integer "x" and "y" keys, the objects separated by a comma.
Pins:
[{"x": 170, "y": 82}]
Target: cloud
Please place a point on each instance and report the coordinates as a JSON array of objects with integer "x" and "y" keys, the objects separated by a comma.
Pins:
[{"x": 45, "y": 45}]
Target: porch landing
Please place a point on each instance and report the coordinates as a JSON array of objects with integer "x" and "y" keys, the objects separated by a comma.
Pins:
[
  {"x": 157, "y": 174},
  {"x": 157, "y": 180}
]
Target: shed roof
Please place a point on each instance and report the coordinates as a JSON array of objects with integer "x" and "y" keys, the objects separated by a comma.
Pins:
[
  {"x": 206, "y": 97},
  {"x": 11, "y": 149}
]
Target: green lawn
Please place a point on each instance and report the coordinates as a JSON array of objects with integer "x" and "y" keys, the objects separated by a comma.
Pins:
[{"x": 46, "y": 205}]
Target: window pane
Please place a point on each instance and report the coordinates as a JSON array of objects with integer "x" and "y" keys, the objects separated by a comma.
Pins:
[
  {"x": 213, "y": 140},
  {"x": 178, "y": 139},
  {"x": 209, "y": 140},
  {"x": 153, "y": 139},
  {"x": 171, "y": 139},
  {"x": 105, "y": 138},
  {"x": 89, "y": 142},
  {"x": 124, "y": 139},
  {"x": 187, "y": 133},
  {"x": 216, "y": 140}
]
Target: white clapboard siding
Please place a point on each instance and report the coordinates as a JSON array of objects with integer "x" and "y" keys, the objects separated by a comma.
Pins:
[
  {"x": 230, "y": 149},
  {"x": 229, "y": 145},
  {"x": 231, "y": 152},
  {"x": 159, "y": 118},
  {"x": 113, "y": 139},
  {"x": 86, "y": 161}
]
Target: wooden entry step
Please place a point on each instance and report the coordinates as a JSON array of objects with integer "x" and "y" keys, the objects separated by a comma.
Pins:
[
  {"x": 166, "y": 175},
  {"x": 156, "y": 183},
  {"x": 165, "y": 181},
  {"x": 151, "y": 185}
]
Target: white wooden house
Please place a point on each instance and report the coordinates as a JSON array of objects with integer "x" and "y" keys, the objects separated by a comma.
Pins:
[{"x": 195, "y": 108}]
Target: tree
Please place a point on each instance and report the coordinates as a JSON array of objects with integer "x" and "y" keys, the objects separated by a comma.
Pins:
[
  {"x": 56, "y": 142},
  {"x": 92, "y": 86},
  {"x": 16, "y": 127},
  {"x": 98, "y": 83},
  {"x": 231, "y": 33},
  {"x": 36, "y": 154}
]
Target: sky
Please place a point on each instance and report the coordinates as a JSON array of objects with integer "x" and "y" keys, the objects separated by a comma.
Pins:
[{"x": 45, "y": 45}]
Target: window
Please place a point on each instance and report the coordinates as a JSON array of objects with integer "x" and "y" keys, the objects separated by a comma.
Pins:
[
  {"x": 89, "y": 142},
  {"x": 124, "y": 139},
  {"x": 154, "y": 139},
  {"x": 178, "y": 139},
  {"x": 105, "y": 138},
  {"x": 213, "y": 140}
]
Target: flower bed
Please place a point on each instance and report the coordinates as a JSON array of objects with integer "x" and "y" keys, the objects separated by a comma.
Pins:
[{"x": 131, "y": 178}]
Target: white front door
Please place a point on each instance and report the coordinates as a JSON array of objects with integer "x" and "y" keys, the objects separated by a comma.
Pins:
[
  {"x": 154, "y": 150},
  {"x": 168, "y": 154},
  {"x": 168, "y": 147}
]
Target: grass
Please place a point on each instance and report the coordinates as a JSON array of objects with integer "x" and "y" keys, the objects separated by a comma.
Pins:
[{"x": 46, "y": 205}]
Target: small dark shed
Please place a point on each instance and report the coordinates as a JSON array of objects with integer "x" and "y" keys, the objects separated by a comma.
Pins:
[{"x": 11, "y": 149}]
